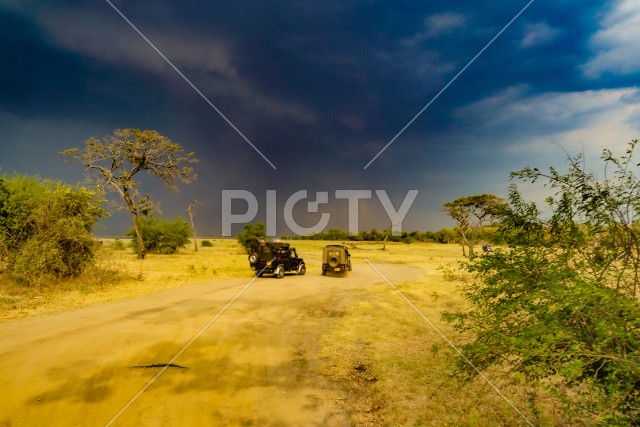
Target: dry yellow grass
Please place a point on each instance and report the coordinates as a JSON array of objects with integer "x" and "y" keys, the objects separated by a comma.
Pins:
[
  {"x": 384, "y": 348},
  {"x": 119, "y": 274},
  {"x": 380, "y": 347}
]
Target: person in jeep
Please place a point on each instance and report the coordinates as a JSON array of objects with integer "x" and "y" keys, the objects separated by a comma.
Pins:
[
  {"x": 275, "y": 258},
  {"x": 336, "y": 258}
]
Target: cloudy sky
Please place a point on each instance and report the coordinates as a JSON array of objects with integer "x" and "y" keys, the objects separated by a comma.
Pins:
[{"x": 319, "y": 89}]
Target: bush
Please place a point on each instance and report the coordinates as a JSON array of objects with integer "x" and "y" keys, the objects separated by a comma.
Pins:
[
  {"x": 45, "y": 228},
  {"x": 206, "y": 244},
  {"x": 161, "y": 236},
  {"x": 560, "y": 306},
  {"x": 250, "y": 235}
]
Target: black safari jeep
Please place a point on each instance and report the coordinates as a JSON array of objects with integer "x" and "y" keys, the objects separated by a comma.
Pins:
[
  {"x": 336, "y": 258},
  {"x": 275, "y": 258}
]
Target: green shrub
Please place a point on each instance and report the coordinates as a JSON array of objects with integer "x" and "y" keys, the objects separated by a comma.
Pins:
[
  {"x": 560, "y": 306},
  {"x": 45, "y": 228},
  {"x": 250, "y": 234},
  {"x": 161, "y": 236},
  {"x": 206, "y": 244}
]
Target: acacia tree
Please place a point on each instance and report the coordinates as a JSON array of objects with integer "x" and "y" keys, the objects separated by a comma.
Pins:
[
  {"x": 472, "y": 213},
  {"x": 114, "y": 162}
]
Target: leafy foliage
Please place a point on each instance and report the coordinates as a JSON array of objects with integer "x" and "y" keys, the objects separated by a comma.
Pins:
[
  {"x": 560, "y": 305},
  {"x": 161, "y": 236},
  {"x": 206, "y": 244},
  {"x": 250, "y": 235},
  {"x": 45, "y": 228}
]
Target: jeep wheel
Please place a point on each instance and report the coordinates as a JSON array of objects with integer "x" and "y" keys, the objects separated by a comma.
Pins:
[
  {"x": 334, "y": 262},
  {"x": 302, "y": 269},
  {"x": 253, "y": 258},
  {"x": 280, "y": 272},
  {"x": 324, "y": 272}
]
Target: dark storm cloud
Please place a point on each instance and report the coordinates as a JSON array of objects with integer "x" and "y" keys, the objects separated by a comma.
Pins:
[{"x": 320, "y": 88}]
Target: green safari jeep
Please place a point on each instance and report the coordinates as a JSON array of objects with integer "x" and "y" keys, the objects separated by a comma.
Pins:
[{"x": 336, "y": 258}]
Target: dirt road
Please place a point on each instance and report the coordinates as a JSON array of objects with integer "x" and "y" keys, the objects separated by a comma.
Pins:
[{"x": 255, "y": 364}]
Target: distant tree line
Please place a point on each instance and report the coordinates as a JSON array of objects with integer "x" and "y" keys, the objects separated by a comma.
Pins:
[
  {"x": 254, "y": 231},
  {"x": 445, "y": 235}
]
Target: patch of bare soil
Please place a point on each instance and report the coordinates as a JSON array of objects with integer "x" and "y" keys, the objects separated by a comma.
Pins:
[{"x": 255, "y": 364}]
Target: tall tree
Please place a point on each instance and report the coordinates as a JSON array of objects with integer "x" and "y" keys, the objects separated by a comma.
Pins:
[
  {"x": 472, "y": 213},
  {"x": 114, "y": 162}
]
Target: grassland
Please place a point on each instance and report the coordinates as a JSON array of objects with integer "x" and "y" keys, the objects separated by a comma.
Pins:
[
  {"x": 408, "y": 383},
  {"x": 119, "y": 275},
  {"x": 380, "y": 348}
]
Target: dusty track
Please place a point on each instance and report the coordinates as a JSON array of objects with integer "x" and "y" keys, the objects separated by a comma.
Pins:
[{"x": 255, "y": 365}]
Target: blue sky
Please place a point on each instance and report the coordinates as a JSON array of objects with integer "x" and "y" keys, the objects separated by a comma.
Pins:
[{"x": 320, "y": 88}]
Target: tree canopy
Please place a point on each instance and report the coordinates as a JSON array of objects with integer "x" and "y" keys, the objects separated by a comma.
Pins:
[
  {"x": 472, "y": 213},
  {"x": 160, "y": 235},
  {"x": 115, "y": 161}
]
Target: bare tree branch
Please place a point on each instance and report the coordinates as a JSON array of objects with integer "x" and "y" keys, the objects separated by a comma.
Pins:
[{"x": 114, "y": 162}]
